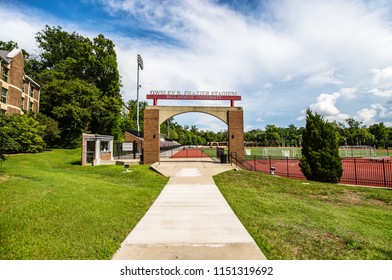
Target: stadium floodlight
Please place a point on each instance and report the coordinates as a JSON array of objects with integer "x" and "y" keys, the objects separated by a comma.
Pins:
[
  {"x": 139, "y": 64},
  {"x": 140, "y": 61}
]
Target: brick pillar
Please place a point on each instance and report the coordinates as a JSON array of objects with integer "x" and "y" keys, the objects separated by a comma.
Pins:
[
  {"x": 235, "y": 122},
  {"x": 84, "y": 149},
  {"x": 151, "y": 136}
]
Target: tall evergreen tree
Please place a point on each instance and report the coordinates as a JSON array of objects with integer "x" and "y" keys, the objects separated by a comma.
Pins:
[{"x": 320, "y": 159}]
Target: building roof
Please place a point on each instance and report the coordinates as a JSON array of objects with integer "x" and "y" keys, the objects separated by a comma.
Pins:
[
  {"x": 4, "y": 56},
  {"x": 31, "y": 80},
  {"x": 134, "y": 134},
  {"x": 7, "y": 56}
]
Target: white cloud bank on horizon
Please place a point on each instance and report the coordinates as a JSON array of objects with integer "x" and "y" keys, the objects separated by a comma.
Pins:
[{"x": 331, "y": 56}]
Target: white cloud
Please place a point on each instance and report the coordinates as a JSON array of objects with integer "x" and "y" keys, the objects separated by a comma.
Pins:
[
  {"x": 381, "y": 93},
  {"x": 278, "y": 60},
  {"x": 383, "y": 76},
  {"x": 326, "y": 106},
  {"x": 376, "y": 113},
  {"x": 15, "y": 27},
  {"x": 367, "y": 116},
  {"x": 382, "y": 82},
  {"x": 349, "y": 93}
]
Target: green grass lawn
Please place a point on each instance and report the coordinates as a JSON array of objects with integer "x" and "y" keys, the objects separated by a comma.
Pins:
[
  {"x": 292, "y": 219},
  {"x": 211, "y": 152},
  {"x": 53, "y": 208}
]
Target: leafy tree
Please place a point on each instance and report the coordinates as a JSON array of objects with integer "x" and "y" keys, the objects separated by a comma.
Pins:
[
  {"x": 20, "y": 133},
  {"x": 272, "y": 134},
  {"x": 293, "y": 135},
  {"x": 380, "y": 134},
  {"x": 80, "y": 83},
  {"x": 52, "y": 132},
  {"x": 129, "y": 115},
  {"x": 7, "y": 143},
  {"x": 72, "y": 104},
  {"x": 8, "y": 46},
  {"x": 257, "y": 136},
  {"x": 353, "y": 131},
  {"x": 320, "y": 159}
]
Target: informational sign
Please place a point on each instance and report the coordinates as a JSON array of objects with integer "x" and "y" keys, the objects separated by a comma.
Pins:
[
  {"x": 127, "y": 146},
  {"x": 189, "y": 92},
  {"x": 193, "y": 95}
]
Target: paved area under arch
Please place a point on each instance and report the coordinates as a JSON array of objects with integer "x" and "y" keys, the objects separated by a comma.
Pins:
[{"x": 190, "y": 220}]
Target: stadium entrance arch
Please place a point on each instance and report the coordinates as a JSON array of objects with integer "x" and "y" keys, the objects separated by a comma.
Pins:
[{"x": 155, "y": 115}]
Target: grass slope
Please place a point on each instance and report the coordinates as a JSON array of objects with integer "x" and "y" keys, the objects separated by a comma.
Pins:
[
  {"x": 292, "y": 219},
  {"x": 53, "y": 208}
]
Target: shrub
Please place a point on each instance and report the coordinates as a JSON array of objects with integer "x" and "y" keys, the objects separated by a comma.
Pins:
[
  {"x": 320, "y": 159},
  {"x": 20, "y": 133}
]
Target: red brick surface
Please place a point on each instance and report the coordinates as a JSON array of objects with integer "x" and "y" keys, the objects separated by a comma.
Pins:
[
  {"x": 151, "y": 136},
  {"x": 189, "y": 153}
]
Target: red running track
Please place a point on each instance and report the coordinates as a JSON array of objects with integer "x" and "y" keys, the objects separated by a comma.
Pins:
[
  {"x": 189, "y": 153},
  {"x": 357, "y": 171}
]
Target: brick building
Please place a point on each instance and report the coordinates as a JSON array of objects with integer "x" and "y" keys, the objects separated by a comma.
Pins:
[
  {"x": 19, "y": 92},
  {"x": 131, "y": 136}
]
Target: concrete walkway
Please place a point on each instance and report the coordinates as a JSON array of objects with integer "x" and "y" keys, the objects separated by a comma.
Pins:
[{"x": 190, "y": 220}]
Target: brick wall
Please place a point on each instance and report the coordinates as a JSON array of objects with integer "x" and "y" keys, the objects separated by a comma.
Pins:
[
  {"x": 129, "y": 137},
  {"x": 17, "y": 71},
  {"x": 11, "y": 111},
  {"x": 15, "y": 81},
  {"x": 151, "y": 136},
  {"x": 236, "y": 131},
  {"x": 14, "y": 97},
  {"x": 106, "y": 155}
]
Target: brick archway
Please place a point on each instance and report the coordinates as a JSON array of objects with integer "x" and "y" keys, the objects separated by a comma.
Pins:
[{"x": 156, "y": 115}]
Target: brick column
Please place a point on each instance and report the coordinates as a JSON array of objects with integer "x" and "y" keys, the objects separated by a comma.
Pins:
[
  {"x": 84, "y": 149},
  {"x": 151, "y": 136},
  {"x": 235, "y": 122}
]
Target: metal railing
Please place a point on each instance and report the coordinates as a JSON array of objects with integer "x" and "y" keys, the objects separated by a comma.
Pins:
[
  {"x": 356, "y": 171},
  {"x": 239, "y": 161}
]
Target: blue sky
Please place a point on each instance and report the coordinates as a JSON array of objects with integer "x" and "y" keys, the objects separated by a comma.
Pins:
[{"x": 281, "y": 56}]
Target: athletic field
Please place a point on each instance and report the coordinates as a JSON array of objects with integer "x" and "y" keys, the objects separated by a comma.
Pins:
[{"x": 284, "y": 161}]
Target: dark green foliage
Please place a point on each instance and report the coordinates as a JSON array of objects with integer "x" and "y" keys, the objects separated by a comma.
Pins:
[
  {"x": 7, "y": 143},
  {"x": 130, "y": 115},
  {"x": 72, "y": 104},
  {"x": 52, "y": 132},
  {"x": 380, "y": 133},
  {"x": 320, "y": 150},
  {"x": 20, "y": 133},
  {"x": 8, "y": 46},
  {"x": 80, "y": 84}
]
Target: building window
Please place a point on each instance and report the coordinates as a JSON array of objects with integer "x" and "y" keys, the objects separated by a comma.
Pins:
[
  {"x": 31, "y": 91},
  {"x": 23, "y": 86},
  {"x": 31, "y": 107},
  {"x": 105, "y": 146},
  {"x": 5, "y": 74},
  {"x": 4, "y": 95},
  {"x": 22, "y": 103}
]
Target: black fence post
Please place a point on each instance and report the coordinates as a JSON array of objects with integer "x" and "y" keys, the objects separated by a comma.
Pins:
[
  {"x": 355, "y": 171},
  {"x": 270, "y": 164},
  {"x": 385, "y": 175},
  {"x": 254, "y": 162},
  {"x": 287, "y": 161}
]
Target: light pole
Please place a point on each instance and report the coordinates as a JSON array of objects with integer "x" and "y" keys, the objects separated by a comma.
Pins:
[{"x": 139, "y": 64}]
